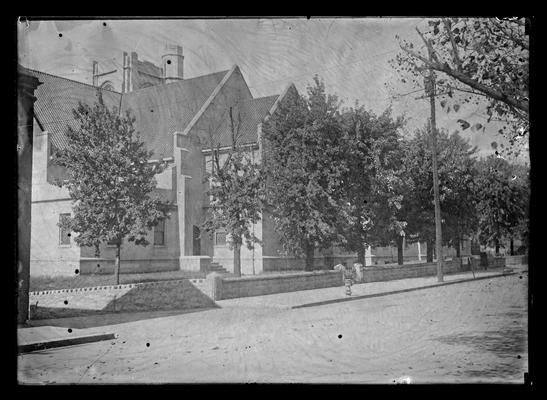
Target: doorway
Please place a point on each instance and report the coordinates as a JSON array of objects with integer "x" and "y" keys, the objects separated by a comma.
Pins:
[{"x": 196, "y": 240}]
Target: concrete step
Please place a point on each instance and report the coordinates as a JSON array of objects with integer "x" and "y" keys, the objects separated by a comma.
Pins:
[{"x": 216, "y": 267}]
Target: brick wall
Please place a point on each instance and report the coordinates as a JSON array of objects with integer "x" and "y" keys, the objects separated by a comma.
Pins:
[
  {"x": 496, "y": 262},
  {"x": 229, "y": 288},
  {"x": 516, "y": 260},
  {"x": 388, "y": 273}
]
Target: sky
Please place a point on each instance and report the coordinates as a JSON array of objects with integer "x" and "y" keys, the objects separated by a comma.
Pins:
[{"x": 351, "y": 55}]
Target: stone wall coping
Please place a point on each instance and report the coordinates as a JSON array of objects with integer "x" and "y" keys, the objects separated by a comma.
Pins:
[
  {"x": 383, "y": 267},
  {"x": 277, "y": 276},
  {"x": 113, "y": 287},
  {"x": 404, "y": 266},
  {"x": 125, "y": 260}
]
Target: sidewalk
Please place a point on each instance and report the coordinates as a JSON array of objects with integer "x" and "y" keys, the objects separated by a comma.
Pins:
[
  {"x": 315, "y": 297},
  {"x": 45, "y": 336}
]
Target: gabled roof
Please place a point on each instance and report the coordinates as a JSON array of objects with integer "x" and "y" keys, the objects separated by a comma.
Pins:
[
  {"x": 56, "y": 97},
  {"x": 161, "y": 110},
  {"x": 251, "y": 113},
  {"x": 290, "y": 88}
]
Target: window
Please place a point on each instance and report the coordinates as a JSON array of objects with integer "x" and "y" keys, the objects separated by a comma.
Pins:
[
  {"x": 220, "y": 239},
  {"x": 64, "y": 235},
  {"x": 159, "y": 234}
]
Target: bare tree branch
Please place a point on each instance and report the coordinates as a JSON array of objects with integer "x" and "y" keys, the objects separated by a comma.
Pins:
[
  {"x": 466, "y": 91},
  {"x": 429, "y": 46},
  {"x": 448, "y": 28}
]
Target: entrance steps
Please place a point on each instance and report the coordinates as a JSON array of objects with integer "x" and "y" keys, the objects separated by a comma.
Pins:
[{"x": 216, "y": 267}]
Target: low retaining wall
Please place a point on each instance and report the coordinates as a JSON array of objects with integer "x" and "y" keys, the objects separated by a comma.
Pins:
[
  {"x": 149, "y": 296},
  {"x": 388, "y": 273},
  {"x": 496, "y": 262},
  {"x": 516, "y": 260},
  {"x": 455, "y": 265},
  {"x": 229, "y": 288}
]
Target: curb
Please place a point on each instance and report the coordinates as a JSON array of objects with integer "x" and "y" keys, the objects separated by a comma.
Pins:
[
  {"x": 35, "y": 346},
  {"x": 366, "y": 296}
]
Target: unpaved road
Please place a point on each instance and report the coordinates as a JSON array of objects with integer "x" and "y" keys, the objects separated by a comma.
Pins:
[{"x": 468, "y": 332}]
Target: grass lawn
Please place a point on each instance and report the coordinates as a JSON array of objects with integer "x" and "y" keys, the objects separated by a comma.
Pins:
[{"x": 39, "y": 283}]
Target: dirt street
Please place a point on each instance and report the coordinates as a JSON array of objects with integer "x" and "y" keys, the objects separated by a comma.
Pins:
[{"x": 467, "y": 332}]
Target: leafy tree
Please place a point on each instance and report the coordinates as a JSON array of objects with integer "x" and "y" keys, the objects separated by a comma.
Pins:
[
  {"x": 521, "y": 180},
  {"x": 458, "y": 188},
  {"x": 455, "y": 161},
  {"x": 303, "y": 167},
  {"x": 110, "y": 180},
  {"x": 480, "y": 60},
  {"x": 236, "y": 190},
  {"x": 371, "y": 182},
  {"x": 502, "y": 202}
]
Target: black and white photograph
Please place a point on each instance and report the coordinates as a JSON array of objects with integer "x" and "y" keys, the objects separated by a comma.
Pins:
[{"x": 304, "y": 200}]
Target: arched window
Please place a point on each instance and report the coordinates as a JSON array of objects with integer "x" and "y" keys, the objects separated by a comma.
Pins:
[{"x": 108, "y": 85}]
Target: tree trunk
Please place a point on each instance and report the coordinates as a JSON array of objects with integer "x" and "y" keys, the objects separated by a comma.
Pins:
[
  {"x": 512, "y": 247},
  {"x": 237, "y": 259},
  {"x": 117, "y": 264},
  {"x": 361, "y": 253},
  {"x": 497, "y": 247},
  {"x": 429, "y": 255},
  {"x": 458, "y": 250},
  {"x": 400, "y": 249},
  {"x": 309, "y": 256}
]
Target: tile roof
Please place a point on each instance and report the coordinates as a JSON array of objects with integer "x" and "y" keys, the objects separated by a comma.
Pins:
[
  {"x": 251, "y": 113},
  {"x": 159, "y": 110},
  {"x": 56, "y": 97}
]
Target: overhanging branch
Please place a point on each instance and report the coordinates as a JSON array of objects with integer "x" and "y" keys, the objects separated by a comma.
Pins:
[
  {"x": 460, "y": 76},
  {"x": 448, "y": 28}
]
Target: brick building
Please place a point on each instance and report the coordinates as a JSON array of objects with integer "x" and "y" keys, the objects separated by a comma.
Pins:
[{"x": 176, "y": 116}]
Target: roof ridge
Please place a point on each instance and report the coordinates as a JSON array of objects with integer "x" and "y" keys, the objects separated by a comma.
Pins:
[
  {"x": 182, "y": 80},
  {"x": 70, "y": 80},
  {"x": 263, "y": 97},
  {"x": 280, "y": 98},
  {"x": 209, "y": 100}
]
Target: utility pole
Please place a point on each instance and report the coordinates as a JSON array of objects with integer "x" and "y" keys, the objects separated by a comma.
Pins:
[{"x": 430, "y": 90}]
